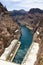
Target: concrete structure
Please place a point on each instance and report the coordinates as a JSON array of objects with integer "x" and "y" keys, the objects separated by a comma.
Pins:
[
  {"x": 7, "y": 63},
  {"x": 9, "y": 49},
  {"x": 31, "y": 56}
]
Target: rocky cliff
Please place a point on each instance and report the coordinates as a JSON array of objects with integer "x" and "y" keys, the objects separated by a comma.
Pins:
[{"x": 9, "y": 29}]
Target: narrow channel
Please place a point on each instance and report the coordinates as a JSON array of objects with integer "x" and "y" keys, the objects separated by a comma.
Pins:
[{"x": 26, "y": 40}]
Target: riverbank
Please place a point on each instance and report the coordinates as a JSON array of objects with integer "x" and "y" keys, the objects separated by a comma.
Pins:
[{"x": 29, "y": 27}]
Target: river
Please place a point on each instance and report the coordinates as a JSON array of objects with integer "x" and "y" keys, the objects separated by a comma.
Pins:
[{"x": 26, "y": 40}]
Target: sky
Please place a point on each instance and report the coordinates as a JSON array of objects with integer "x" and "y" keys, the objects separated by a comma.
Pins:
[{"x": 22, "y": 4}]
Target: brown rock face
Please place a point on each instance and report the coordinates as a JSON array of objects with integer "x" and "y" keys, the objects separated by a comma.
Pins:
[
  {"x": 8, "y": 26},
  {"x": 1, "y": 47}
]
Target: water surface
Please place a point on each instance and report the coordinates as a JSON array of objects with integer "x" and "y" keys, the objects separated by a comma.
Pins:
[{"x": 26, "y": 40}]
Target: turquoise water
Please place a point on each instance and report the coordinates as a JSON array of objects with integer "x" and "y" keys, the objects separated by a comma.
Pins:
[{"x": 26, "y": 40}]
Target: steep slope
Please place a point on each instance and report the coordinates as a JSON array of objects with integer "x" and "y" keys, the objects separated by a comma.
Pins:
[
  {"x": 8, "y": 28},
  {"x": 39, "y": 39}
]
